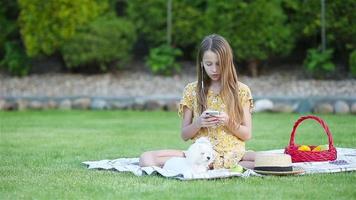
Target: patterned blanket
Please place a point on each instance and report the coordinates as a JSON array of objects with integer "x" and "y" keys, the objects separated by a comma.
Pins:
[{"x": 346, "y": 161}]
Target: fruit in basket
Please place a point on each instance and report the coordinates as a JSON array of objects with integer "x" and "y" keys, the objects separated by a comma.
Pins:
[
  {"x": 304, "y": 148},
  {"x": 237, "y": 168},
  {"x": 321, "y": 148}
]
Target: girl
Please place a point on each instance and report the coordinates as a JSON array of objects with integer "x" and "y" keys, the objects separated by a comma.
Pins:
[{"x": 217, "y": 89}]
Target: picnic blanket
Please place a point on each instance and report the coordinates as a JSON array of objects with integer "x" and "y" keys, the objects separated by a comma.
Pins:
[{"x": 346, "y": 161}]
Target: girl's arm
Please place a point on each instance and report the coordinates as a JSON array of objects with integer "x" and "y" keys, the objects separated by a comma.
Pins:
[
  {"x": 190, "y": 128},
  {"x": 244, "y": 131}
]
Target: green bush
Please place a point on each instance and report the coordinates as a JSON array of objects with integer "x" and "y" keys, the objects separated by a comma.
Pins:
[
  {"x": 162, "y": 60},
  {"x": 352, "y": 63},
  {"x": 150, "y": 19},
  {"x": 256, "y": 30},
  {"x": 339, "y": 16},
  {"x": 15, "y": 59},
  {"x": 319, "y": 63},
  {"x": 8, "y": 26},
  {"x": 340, "y": 23},
  {"x": 102, "y": 41},
  {"x": 46, "y": 25},
  {"x": 188, "y": 24}
]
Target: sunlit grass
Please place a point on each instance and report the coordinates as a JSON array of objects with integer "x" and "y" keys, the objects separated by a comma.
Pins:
[{"x": 41, "y": 155}]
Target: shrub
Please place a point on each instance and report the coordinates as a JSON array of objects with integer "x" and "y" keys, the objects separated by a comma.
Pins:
[
  {"x": 188, "y": 24},
  {"x": 15, "y": 60},
  {"x": 150, "y": 19},
  {"x": 45, "y": 25},
  {"x": 256, "y": 30},
  {"x": 162, "y": 60},
  {"x": 304, "y": 17},
  {"x": 8, "y": 27},
  {"x": 352, "y": 63},
  {"x": 339, "y": 24},
  {"x": 319, "y": 63},
  {"x": 100, "y": 42}
]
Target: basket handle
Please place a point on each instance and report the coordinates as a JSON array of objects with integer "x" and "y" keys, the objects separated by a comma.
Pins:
[{"x": 321, "y": 122}]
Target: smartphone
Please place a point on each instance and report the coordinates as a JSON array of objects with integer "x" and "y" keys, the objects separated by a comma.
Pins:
[{"x": 212, "y": 112}]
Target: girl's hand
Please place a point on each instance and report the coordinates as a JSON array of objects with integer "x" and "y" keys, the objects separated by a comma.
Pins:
[
  {"x": 223, "y": 119},
  {"x": 206, "y": 120}
]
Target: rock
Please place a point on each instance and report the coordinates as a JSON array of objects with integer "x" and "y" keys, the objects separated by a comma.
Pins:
[
  {"x": 81, "y": 103},
  {"x": 353, "y": 108},
  {"x": 341, "y": 107},
  {"x": 263, "y": 105},
  {"x": 98, "y": 104},
  {"x": 22, "y": 104},
  {"x": 121, "y": 105},
  {"x": 35, "y": 105},
  {"x": 304, "y": 106},
  {"x": 284, "y": 108},
  {"x": 51, "y": 104},
  {"x": 8, "y": 105},
  {"x": 65, "y": 105},
  {"x": 2, "y": 104},
  {"x": 323, "y": 108},
  {"x": 139, "y": 104},
  {"x": 171, "y": 106},
  {"x": 153, "y": 105}
]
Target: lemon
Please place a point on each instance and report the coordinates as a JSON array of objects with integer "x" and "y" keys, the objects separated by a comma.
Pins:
[
  {"x": 321, "y": 148},
  {"x": 304, "y": 148}
]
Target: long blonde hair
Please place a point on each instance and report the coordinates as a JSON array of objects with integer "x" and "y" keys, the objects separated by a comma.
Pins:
[{"x": 229, "y": 83}]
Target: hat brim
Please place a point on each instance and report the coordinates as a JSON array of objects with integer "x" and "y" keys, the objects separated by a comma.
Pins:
[{"x": 296, "y": 170}]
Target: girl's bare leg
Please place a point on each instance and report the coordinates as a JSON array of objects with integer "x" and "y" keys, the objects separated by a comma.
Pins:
[
  {"x": 158, "y": 158},
  {"x": 248, "y": 160}
]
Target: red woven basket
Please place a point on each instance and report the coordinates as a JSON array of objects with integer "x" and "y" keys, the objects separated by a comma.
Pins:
[{"x": 311, "y": 156}]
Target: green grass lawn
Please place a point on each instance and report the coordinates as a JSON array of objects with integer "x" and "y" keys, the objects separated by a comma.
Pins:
[{"x": 41, "y": 155}]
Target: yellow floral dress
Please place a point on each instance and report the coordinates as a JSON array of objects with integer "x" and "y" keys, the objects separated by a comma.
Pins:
[{"x": 229, "y": 148}]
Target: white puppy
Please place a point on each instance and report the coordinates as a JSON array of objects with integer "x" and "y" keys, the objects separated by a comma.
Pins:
[{"x": 197, "y": 159}]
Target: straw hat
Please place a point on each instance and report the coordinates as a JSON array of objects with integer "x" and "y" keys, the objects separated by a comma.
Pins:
[{"x": 275, "y": 164}]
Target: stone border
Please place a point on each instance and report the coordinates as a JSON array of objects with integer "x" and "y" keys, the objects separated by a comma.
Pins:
[
  {"x": 89, "y": 103},
  {"x": 325, "y": 105},
  {"x": 322, "y": 105}
]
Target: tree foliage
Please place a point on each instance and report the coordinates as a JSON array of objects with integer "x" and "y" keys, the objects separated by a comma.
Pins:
[
  {"x": 102, "y": 41},
  {"x": 150, "y": 19},
  {"x": 46, "y": 25},
  {"x": 256, "y": 30},
  {"x": 83, "y": 30},
  {"x": 13, "y": 58}
]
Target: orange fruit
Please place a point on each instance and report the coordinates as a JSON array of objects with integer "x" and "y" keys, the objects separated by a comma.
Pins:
[
  {"x": 304, "y": 148},
  {"x": 321, "y": 148}
]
